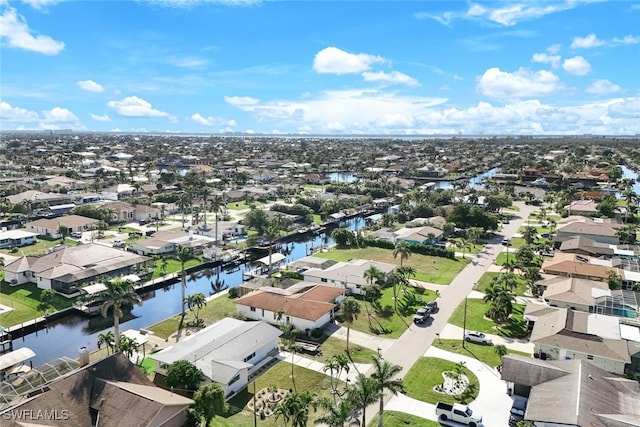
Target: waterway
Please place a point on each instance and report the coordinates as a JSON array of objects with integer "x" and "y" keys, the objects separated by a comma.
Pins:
[
  {"x": 65, "y": 336},
  {"x": 631, "y": 174}
]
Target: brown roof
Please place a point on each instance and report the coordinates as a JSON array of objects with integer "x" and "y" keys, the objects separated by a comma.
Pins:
[
  {"x": 571, "y": 264},
  {"x": 69, "y": 221},
  {"x": 309, "y": 305}
]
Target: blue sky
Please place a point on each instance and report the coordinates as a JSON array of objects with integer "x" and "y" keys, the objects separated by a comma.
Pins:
[{"x": 331, "y": 67}]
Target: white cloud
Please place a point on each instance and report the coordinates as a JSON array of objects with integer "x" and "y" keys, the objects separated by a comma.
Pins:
[
  {"x": 212, "y": 120},
  {"x": 193, "y": 3},
  {"x": 602, "y": 87},
  {"x": 511, "y": 15},
  {"x": 59, "y": 115},
  {"x": 628, "y": 39},
  {"x": 14, "y": 29},
  {"x": 132, "y": 106},
  {"x": 577, "y": 66},
  {"x": 587, "y": 42},
  {"x": 21, "y": 118},
  {"x": 187, "y": 62},
  {"x": 520, "y": 84},
  {"x": 241, "y": 100},
  {"x": 40, "y": 4},
  {"x": 332, "y": 60},
  {"x": 476, "y": 10},
  {"x": 394, "y": 77},
  {"x": 12, "y": 114},
  {"x": 545, "y": 58},
  {"x": 100, "y": 118},
  {"x": 90, "y": 86}
]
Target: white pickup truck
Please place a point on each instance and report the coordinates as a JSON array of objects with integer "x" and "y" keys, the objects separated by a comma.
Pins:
[{"x": 458, "y": 413}]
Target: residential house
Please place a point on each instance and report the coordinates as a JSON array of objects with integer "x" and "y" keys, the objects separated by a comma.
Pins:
[
  {"x": 432, "y": 171},
  {"x": 572, "y": 293},
  {"x": 227, "y": 352},
  {"x": 52, "y": 227},
  {"x": 572, "y": 393},
  {"x": 425, "y": 235},
  {"x": 121, "y": 211},
  {"x": 110, "y": 392},
  {"x": 586, "y": 246},
  {"x": 34, "y": 198},
  {"x": 599, "y": 230},
  {"x": 166, "y": 242},
  {"x": 66, "y": 269},
  {"x": 16, "y": 238},
  {"x": 559, "y": 334},
  {"x": 582, "y": 207},
  {"x": 573, "y": 265},
  {"x": 63, "y": 183},
  {"x": 347, "y": 275},
  {"x": 305, "y": 305},
  {"x": 118, "y": 191}
]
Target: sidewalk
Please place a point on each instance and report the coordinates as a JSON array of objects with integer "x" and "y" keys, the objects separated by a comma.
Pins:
[
  {"x": 369, "y": 341},
  {"x": 314, "y": 365}
]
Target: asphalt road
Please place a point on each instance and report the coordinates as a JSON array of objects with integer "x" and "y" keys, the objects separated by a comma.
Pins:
[{"x": 414, "y": 343}]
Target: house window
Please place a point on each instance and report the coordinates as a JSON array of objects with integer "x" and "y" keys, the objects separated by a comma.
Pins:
[
  {"x": 263, "y": 312},
  {"x": 249, "y": 357},
  {"x": 234, "y": 379},
  {"x": 589, "y": 356},
  {"x": 323, "y": 280},
  {"x": 252, "y": 308},
  {"x": 164, "y": 366}
]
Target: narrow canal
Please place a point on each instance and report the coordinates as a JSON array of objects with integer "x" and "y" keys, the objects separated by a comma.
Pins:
[{"x": 65, "y": 336}]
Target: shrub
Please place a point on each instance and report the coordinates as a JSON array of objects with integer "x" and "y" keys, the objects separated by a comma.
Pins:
[{"x": 234, "y": 293}]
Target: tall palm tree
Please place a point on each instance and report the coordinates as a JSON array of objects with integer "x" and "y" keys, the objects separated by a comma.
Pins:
[
  {"x": 205, "y": 192},
  {"x": 294, "y": 408},
  {"x": 402, "y": 250},
  {"x": 336, "y": 364},
  {"x": 117, "y": 294},
  {"x": 216, "y": 206},
  {"x": 384, "y": 377},
  {"x": 337, "y": 413},
  {"x": 529, "y": 233},
  {"x": 289, "y": 334},
  {"x": 184, "y": 254},
  {"x": 271, "y": 233},
  {"x": 501, "y": 299},
  {"x": 349, "y": 311},
  {"x": 195, "y": 302},
  {"x": 363, "y": 394},
  {"x": 106, "y": 339}
]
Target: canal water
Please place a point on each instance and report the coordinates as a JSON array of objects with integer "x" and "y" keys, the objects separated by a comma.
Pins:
[{"x": 65, "y": 336}]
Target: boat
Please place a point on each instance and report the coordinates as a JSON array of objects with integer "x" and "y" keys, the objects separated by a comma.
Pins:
[
  {"x": 609, "y": 189},
  {"x": 540, "y": 182}
]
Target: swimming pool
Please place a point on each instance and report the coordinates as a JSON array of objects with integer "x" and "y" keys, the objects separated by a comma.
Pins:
[{"x": 237, "y": 240}]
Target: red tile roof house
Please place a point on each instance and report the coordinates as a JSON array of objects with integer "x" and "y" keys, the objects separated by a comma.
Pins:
[{"x": 305, "y": 305}]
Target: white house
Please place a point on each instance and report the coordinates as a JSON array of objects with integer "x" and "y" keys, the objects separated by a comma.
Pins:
[
  {"x": 166, "y": 242},
  {"x": 16, "y": 238},
  {"x": 306, "y": 306},
  {"x": 227, "y": 352},
  {"x": 347, "y": 275}
]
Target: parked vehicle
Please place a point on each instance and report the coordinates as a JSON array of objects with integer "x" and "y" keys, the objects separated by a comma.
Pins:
[
  {"x": 506, "y": 242},
  {"x": 459, "y": 413},
  {"x": 118, "y": 244},
  {"x": 421, "y": 315},
  {"x": 76, "y": 234},
  {"x": 477, "y": 337},
  {"x": 517, "y": 410},
  {"x": 431, "y": 306}
]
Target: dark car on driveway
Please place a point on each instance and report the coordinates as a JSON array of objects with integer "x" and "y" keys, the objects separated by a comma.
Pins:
[
  {"x": 432, "y": 306},
  {"x": 421, "y": 315}
]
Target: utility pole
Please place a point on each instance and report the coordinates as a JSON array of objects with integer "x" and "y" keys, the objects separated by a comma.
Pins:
[
  {"x": 255, "y": 411},
  {"x": 464, "y": 324}
]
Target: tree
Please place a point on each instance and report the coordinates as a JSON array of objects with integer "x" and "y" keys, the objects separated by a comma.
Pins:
[
  {"x": 349, "y": 311},
  {"x": 501, "y": 299},
  {"x": 195, "y": 302},
  {"x": 271, "y": 234},
  {"x": 183, "y": 375},
  {"x": 613, "y": 279},
  {"x": 46, "y": 300},
  {"x": 501, "y": 350},
  {"x": 209, "y": 401},
  {"x": 117, "y": 294},
  {"x": 363, "y": 394},
  {"x": 383, "y": 376},
  {"x": 529, "y": 233},
  {"x": 257, "y": 219},
  {"x": 294, "y": 408},
  {"x": 289, "y": 335},
  {"x": 463, "y": 244},
  {"x": 184, "y": 254},
  {"x": 106, "y": 339},
  {"x": 337, "y": 412},
  {"x": 128, "y": 346},
  {"x": 402, "y": 250},
  {"x": 337, "y": 364},
  {"x": 342, "y": 236}
]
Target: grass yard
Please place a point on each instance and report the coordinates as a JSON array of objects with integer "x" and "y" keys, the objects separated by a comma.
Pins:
[
  {"x": 383, "y": 319},
  {"x": 428, "y": 268},
  {"x": 238, "y": 206},
  {"x": 515, "y": 328},
  {"x": 215, "y": 310},
  {"x": 172, "y": 266},
  {"x": 400, "y": 419},
  {"x": 486, "y": 279},
  {"x": 484, "y": 353},
  {"x": 39, "y": 248},
  {"x": 471, "y": 249},
  {"x": 24, "y": 299},
  {"x": 279, "y": 375},
  {"x": 427, "y": 372},
  {"x": 331, "y": 346}
]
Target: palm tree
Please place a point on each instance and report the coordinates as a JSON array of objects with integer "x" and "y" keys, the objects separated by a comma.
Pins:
[
  {"x": 510, "y": 265},
  {"x": 294, "y": 408},
  {"x": 402, "y": 249},
  {"x": 337, "y": 413},
  {"x": 216, "y": 206},
  {"x": 363, "y": 394},
  {"x": 529, "y": 233},
  {"x": 383, "y": 377},
  {"x": 271, "y": 233},
  {"x": 117, "y": 294},
  {"x": 195, "y": 302},
  {"x": 289, "y": 334},
  {"x": 336, "y": 365},
  {"x": 349, "y": 311},
  {"x": 107, "y": 340},
  {"x": 462, "y": 243},
  {"x": 501, "y": 299},
  {"x": 184, "y": 254}
]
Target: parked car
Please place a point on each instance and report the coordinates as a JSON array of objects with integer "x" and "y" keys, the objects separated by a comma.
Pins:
[
  {"x": 76, "y": 234},
  {"x": 459, "y": 413},
  {"x": 477, "y": 337},
  {"x": 421, "y": 315},
  {"x": 117, "y": 244},
  {"x": 432, "y": 306},
  {"x": 506, "y": 241},
  {"x": 517, "y": 410}
]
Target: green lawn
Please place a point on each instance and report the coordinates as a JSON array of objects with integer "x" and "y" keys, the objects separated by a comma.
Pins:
[
  {"x": 484, "y": 353},
  {"x": 331, "y": 346},
  {"x": 428, "y": 268},
  {"x": 400, "y": 419},
  {"x": 238, "y": 206},
  {"x": 173, "y": 266},
  {"x": 39, "y": 248},
  {"x": 471, "y": 249},
  {"x": 486, "y": 279},
  {"x": 24, "y": 300},
  {"x": 383, "y": 320},
  {"x": 280, "y": 376},
  {"x": 215, "y": 310},
  {"x": 515, "y": 328},
  {"x": 427, "y": 372}
]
